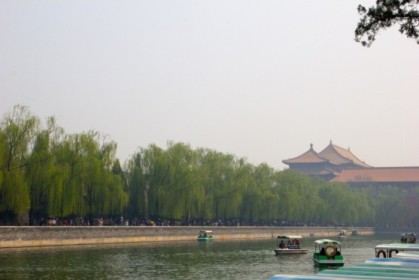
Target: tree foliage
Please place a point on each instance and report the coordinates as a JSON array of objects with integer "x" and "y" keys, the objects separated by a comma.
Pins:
[
  {"x": 385, "y": 14},
  {"x": 17, "y": 133},
  {"x": 46, "y": 172},
  {"x": 197, "y": 186}
]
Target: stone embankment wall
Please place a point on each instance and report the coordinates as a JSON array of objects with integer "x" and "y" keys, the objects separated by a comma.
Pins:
[
  {"x": 396, "y": 230},
  {"x": 37, "y": 236}
]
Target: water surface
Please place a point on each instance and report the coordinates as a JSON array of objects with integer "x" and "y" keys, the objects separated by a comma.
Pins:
[{"x": 245, "y": 259}]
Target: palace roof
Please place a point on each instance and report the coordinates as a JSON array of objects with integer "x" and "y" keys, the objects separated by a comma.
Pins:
[
  {"x": 379, "y": 175},
  {"x": 332, "y": 154},
  {"x": 338, "y": 156},
  {"x": 310, "y": 156}
]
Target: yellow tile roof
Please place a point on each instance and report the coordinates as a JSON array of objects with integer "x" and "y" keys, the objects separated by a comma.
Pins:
[
  {"x": 379, "y": 175},
  {"x": 310, "y": 156},
  {"x": 332, "y": 153},
  {"x": 338, "y": 155}
]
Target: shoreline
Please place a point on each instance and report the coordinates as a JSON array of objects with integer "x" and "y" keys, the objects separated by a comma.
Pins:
[{"x": 54, "y": 236}]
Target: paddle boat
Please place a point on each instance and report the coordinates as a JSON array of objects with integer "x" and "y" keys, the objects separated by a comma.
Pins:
[
  {"x": 289, "y": 244},
  {"x": 327, "y": 252},
  {"x": 342, "y": 234},
  {"x": 404, "y": 265},
  {"x": 389, "y": 250},
  {"x": 205, "y": 235},
  {"x": 408, "y": 238},
  {"x": 391, "y": 269}
]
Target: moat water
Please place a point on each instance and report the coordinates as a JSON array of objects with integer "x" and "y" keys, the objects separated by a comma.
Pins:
[{"x": 245, "y": 259}]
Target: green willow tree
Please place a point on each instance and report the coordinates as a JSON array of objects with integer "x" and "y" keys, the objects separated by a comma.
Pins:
[
  {"x": 220, "y": 174},
  {"x": 185, "y": 190},
  {"x": 390, "y": 205},
  {"x": 207, "y": 170},
  {"x": 40, "y": 173},
  {"x": 135, "y": 185},
  {"x": 290, "y": 199},
  {"x": 244, "y": 184},
  {"x": 334, "y": 198},
  {"x": 73, "y": 175},
  {"x": 45, "y": 172},
  {"x": 18, "y": 130},
  {"x": 264, "y": 204},
  {"x": 87, "y": 185},
  {"x": 147, "y": 176},
  {"x": 412, "y": 199}
]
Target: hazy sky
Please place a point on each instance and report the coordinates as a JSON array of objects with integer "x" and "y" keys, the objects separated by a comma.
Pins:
[{"x": 256, "y": 79}]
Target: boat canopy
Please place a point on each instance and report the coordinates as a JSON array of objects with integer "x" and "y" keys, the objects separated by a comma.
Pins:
[
  {"x": 398, "y": 246},
  {"x": 408, "y": 234},
  {"x": 327, "y": 241},
  {"x": 290, "y": 237},
  {"x": 205, "y": 231}
]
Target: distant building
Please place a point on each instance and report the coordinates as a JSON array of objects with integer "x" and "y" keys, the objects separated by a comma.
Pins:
[
  {"x": 390, "y": 176},
  {"x": 337, "y": 164},
  {"x": 327, "y": 164}
]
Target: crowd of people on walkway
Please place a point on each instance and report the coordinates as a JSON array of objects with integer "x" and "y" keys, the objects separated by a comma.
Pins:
[{"x": 122, "y": 221}]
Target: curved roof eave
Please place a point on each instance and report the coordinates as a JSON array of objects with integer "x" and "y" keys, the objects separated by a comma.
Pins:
[
  {"x": 309, "y": 156},
  {"x": 338, "y": 155}
]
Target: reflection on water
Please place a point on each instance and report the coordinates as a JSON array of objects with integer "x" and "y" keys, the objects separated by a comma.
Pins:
[{"x": 253, "y": 259}]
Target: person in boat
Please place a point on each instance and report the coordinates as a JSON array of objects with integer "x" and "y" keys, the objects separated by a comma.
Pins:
[
  {"x": 408, "y": 238},
  {"x": 282, "y": 244}
]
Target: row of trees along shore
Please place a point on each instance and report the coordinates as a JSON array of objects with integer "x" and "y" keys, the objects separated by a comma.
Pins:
[{"x": 45, "y": 172}]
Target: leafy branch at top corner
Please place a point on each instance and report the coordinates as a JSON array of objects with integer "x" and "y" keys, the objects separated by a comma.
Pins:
[{"x": 385, "y": 14}]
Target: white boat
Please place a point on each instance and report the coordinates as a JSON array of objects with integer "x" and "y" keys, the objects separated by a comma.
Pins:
[
  {"x": 390, "y": 250},
  {"x": 289, "y": 244}
]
